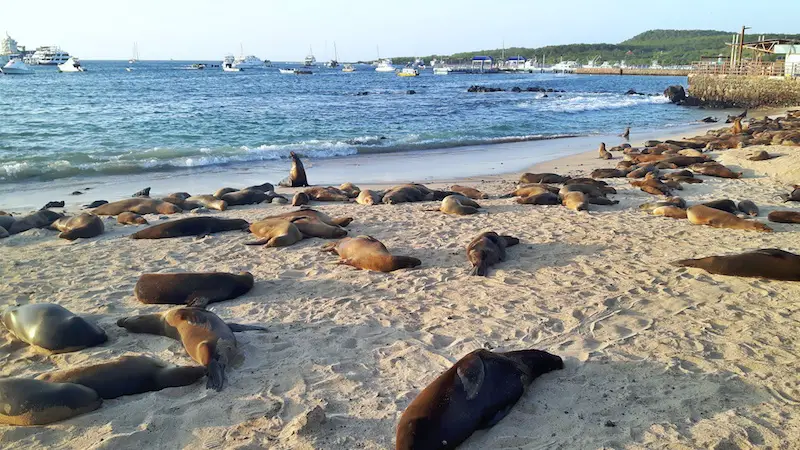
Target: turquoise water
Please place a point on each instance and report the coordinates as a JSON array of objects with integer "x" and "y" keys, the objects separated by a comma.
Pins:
[{"x": 161, "y": 117}]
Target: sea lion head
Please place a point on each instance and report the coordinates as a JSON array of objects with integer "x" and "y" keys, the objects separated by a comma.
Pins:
[{"x": 535, "y": 362}]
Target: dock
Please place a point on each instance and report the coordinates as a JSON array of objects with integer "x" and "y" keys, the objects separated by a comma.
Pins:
[{"x": 633, "y": 71}]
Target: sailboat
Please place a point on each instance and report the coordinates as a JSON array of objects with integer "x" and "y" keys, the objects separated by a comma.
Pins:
[
  {"x": 135, "y": 58},
  {"x": 335, "y": 61},
  {"x": 384, "y": 65},
  {"x": 310, "y": 59}
]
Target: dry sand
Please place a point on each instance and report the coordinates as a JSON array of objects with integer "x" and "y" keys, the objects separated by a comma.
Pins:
[{"x": 657, "y": 356}]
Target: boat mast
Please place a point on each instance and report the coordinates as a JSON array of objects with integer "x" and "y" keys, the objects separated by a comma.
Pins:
[{"x": 335, "y": 53}]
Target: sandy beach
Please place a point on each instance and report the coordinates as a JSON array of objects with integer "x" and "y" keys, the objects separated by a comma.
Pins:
[{"x": 656, "y": 356}]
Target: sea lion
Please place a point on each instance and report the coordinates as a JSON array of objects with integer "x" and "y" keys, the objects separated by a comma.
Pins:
[
  {"x": 138, "y": 206},
  {"x": 488, "y": 249},
  {"x": 608, "y": 173},
  {"x": 185, "y": 288},
  {"x": 35, "y": 402},
  {"x": 530, "y": 189},
  {"x": 669, "y": 201},
  {"x": 627, "y": 133},
  {"x": 144, "y": 193},
  {"x": 206, "y": 337},
  {"x": 672, "y": 212},
  {"x": 589, "y": 189},
  {"x": 736, "y": 128},
  {"x": 129, "y": 218},
  {"x": 52, "y": 328},
  {"x": 368, "y": 197},
  {"x": 180, "y": 195},
  {"x": 6, "y": 221},
  {"x": 244, "y": 197},
  {"x": 760, "y": 156},
  {"x": 723, "y": 205},
  {"x": 95, "y": 204},
  {"x": 545, "y": 198},
  {"x": 748, "y": 207},
  {"x": 794, "y": 196},
  {"x": 181, "y": 203},
  {"x": 542, "y": 178},
  {"x": 327, "y": 194},
  {"x": 350, "y": 189},
  {"x": 297, "y": 175},
  {"x": 209, "y": 201},
  {"x": 476, "y": 393},
  {"x": 4, "y": 233},
  {"x": 58, "y": 204},
  {"x": 770, "y": 263},
  {"x": 642, "y": 171},
  {"x": 575, "y": 201},
  {"x": 652, "y": 185},
  {"x": 276, "y": 232},
  {"x": 313, "y": 223},
  {"x": 469, "y": 192},
  {"x": 599, "y": 184},
  {"x": 319, "y": 215},
  {"x": 689, "y": 152},
  {"x": 223, "y": 191},
  {"x": 190, "y": 226},
  {"x": 128, "y": 375},
  {"x": 604, "y": 154},
  {"x": 406, "y": 193},
  {"x": 715, "y": 170},
  {"x": 265, "y": 188},
  {"x": 83, "y": 226},
  {"x": 704, "y": 215},
  {"x": 300, "y": 199},
  {"x": 784, "y": 216},
  {"x": 368, "y": 253},
  {"x": 458, "y": 205},
  {"x": 39, "y": 219}
]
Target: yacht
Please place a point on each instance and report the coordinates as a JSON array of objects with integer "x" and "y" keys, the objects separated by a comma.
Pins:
[
  {"x": 72, "y": 65},
  {"x": 48, "y": 56},
  {"x": 310, "y": 59},
  {"x": 16, "y": 67},
  {"x": 385, "y": 65},
  {"x": 408, "y": 71},
  {"x": 441, "y": 70},
  {"x": 227, "y": 64},
  {"x": 348, "y": 68},
  {"x": 287, "y": 71},
  {"x": 565, "y": 67},
  {"x": 135, "y": 56},
  {"x": 8, "y": 50},
  {"x": 248, "y": 62},
  {"x": 334, "y": 63}
]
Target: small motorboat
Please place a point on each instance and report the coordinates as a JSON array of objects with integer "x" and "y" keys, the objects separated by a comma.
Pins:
[
  {"x": 302, "y": 72},
  {"x": 72, "y": 65},
  {"x": 408, "y": 72},
  {"x": 129, "y": 69},
  {"x": 198, "y": 66},
  {"x": 348, "y": 68},
  {"x": 16, "y": 67},
  {"x": 287, "y": 71}
]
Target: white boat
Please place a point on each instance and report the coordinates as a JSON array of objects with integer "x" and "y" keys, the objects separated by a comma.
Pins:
[
  {"x": 441, "y": 70},
  {"x": 310, "y": 59},
  {"x": 72, "y": 65},
  {"x": 348, "y": 68},
  {"x": 129, "y": 69},
  {"x": 334, "y": 63},
  {"x": 287, "y": 71},
  {"x": 248, "y": 62},
  {"x": 16, "y": 67},
  {"x": 385, "y": 66},
  {"x": 47, "y": 56},
  {"x": 408, "y": 71},
  {"x": 135, "y": 56},
  {"x": 8, "y": 50},
  {"x": 227, "y": 64},
  {"x": 565, "y": 67}
]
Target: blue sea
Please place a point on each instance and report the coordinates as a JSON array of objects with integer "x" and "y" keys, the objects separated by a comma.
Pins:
[{"x": 161, "y": 117}]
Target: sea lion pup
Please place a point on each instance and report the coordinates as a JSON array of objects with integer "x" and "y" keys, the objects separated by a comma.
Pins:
[
  {"x": 129, "y": 218},
  {"x": 368, "y": 197},
  {"x": 144, "y": 193},
  {"x": 794, "y": 196},
  {"x": 469, "y": 192},
  {"x": 545, "y": 198},
  {"x": 608, "y": 173},
  {"x": 458, "y": 205},
  {"x": 190, "y": 226},
  {"x": 748, "y": 207},
  {"x": 543, "y": 178},
  {"x": 185, "y": 288},
  {"x": 83, "y": 226},
  {"x": 627, "y": 133},
  {"x": 223, "y": 191},
  {"x": 715, "y": 170},
  {"x": 784, "y": 216},
  {"x": 138, "y": 206},
  {"x": 723, "y": 205},
  {"x": 35, "y": 402},
  {"x": 673, "y": 212},
  {"x": 297, "y": 175},
  {"x": 476, "y": 393},
  {"x": 300, "y": 199},
  {"x": 52, "y": 328},
  {"x": 604, "y": 154},
  {"x": 39, "y": 219},
  {"x": 244, "y": 197},
  {"x": 368, "y": 253},
  {"x": 206, "y": 337},
  {"x": 575, "y": 201},
  {"x": 276, "y": 232},
  {"x": 350, "y": 189},
  {"x": 327, "y": 194},
  {"x": 209, "y": 201},
  {"x": 760, "y": 156},
  {"x": 488, "y": 249},
  {"x": 770, "y": 263},
  {"x": 95, "y": 204},
  {"x": 128, "y": 375},
  {"x": 704, "y": 215},
  {"x": 530, "y": 189}
]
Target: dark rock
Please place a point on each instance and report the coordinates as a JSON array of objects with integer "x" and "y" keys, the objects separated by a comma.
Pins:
[
  {"x": 709, "y": 120},
  {"x": 550, "y": 90},
  {"x": 516, "y": 89},
  {"x": 610, "y": 423},
  {"x": 675, "y": 94},
  {"x": 690, "y": 101},
  {"x": 77, "y": 193},
  {"x": 411, "y": 92},
  {"x": 477, "y": 88},
  {"x": 143, "y": 193},
  {"x": 362, "y": 93},
  {"x": 547, "y": 96},
  {"x": 53, "y": 205},
  {"x": 633, "y": 92}
]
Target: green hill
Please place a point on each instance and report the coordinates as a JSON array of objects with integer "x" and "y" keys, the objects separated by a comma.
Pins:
[{"x": 669, "y": 47}]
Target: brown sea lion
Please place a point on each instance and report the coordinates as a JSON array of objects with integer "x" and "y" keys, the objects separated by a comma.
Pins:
[
  {"x": 181, "y": 203},
  {"x": 297, "y": 175},
  {"x": 760, "y": 156},
  {"x": 770, "y": 263},
  {"x": 82, "y": 226},
  {"x": 266, "y": 188},
  {"x": 223, "y": 191},
  {"x": 599, "y": 184},
  {"x": 736, "y": 128},
  {"x": 300, "y": 199},
  {"x": 368, "y": 253},
  {"x": 642, "y": 171},
  {"x": 138, "y": 206},
  {"x": 128, "y": 375},
  {"x": 748, "y": 207},
  {"x": 276, "y": 232},
  {"x": 180, "y": 195},
  {"x": 672, "y": 212},
  {"x": 209, "y": 201},
  {"x": 476, "y": 393},
  {"x": 704, "y": 215},
  {"x": 39, "y": 219},
  {"x": 52, "y": 328},
  {"x": 604, "y": 154},
  {"x": 784, "y": 216},
  {"x": 589, "y": 189},
  {"x": 206, "y": 337},
  {"x": 350, "y": 189},
  {"x": 129, "y": 218},
  {"x": 674, "y": 162},
  {"x": 368, "y": 197},
  {"x": 469, "y": 192},
  {"x": 327, "y": 194},
  {"x": 608, "y": 173},
  {"x": 575, "y": 201},
  {"x": 794, "y": 196},
  {"x": 319, "y": 215},
  {"x": 459, "y": 205},
  {"x": 723, "y": 205},
  {"x": 690, "y": 152},
  {"x": 545, "y": 198},
  {"x": 488, "y": 249},
  {"x": 34, "y": 402},
  {"x": 527, "y": 190},
  {"x": 669, "y": 201},
  {"x": 652, "y": 185},
  {"x": 715, "y": 170},
  {"x": 542, "y": 178},
  {"x": 185, "y": 288},
  {"x": 244, "y": 197},
  {"x": 190, "y": 226}
]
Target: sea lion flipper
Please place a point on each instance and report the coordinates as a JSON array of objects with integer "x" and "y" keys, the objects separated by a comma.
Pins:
[
  {"x": 216, "y": 375},
  {"x": 238, "y": 327},
  {"x": 471, "y": 374},
  {"x": 778, "y": 253},
  {"x": 259, "y": 242},
  {"x": 329, "y": 247},
  {"x": 510, "y": 240},
  {"x": 198, "y": 302}
]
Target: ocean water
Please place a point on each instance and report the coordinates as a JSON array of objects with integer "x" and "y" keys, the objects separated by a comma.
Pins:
[{"x": 161, "y": 118}]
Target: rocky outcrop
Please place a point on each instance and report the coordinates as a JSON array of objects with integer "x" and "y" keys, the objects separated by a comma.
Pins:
[
  {"x": 477, "y": 88},
  {"x": 675, "y": 94},
  {"x": 738, "y": 91}
]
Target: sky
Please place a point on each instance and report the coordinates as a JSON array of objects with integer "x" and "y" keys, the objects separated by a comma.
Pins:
[{"x": 283, "y": 30}]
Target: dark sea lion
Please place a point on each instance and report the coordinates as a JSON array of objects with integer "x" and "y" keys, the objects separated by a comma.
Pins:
[
  {"x": 39, "y": 219},
  {"x": 138, "y": 206},
  {"x": 129, "y": 218},
  {"x": 469, "y": 192},
  {"x": 476, "y": 393},
  {"x": 4, "y": 233},
  {"x": 82, "y": 226},
  {"x": 794, "y": 196},
  {"x": 748, "y": 207},
  {"x": 266, "y": 187},
  {"x": 276, "y": 232},
  {"x": 545, "y": 198},
  {"x": 95, "y": 204},
  {"x": 368, "y": 253},
  {"x": 34, "y": 402},
  {"x": 327, "y": 194},
  {"x": 350, "y": 189},
  {"x": 52, "y": 328},
  {"x": 784, "y": 216},
  {"x": 669, "y": 201},
  {"x": 297, "y": 175},
  {"x": 627, "y": 133},
  {"x": 180, "y": 195},
  {"x": 206, "y": 337},
  {"x": 3, "y": 213},
  {"x": 181, "y": 203},
  {"x": 672, "y": 212},
  {"x": 272, "y": 197},
  {"x": 300, "y": 199},
  {"x": 6, "y": 221},
  {"x": 723, "y": 205},
  {"x": 244, "y": 197},
  {"x": 589, "y": 189},
  {"x": 190, "y": 226},
  {"x": 642, "y": 171},
  {"x": 223, "y": 191},
  {"x": 143, "y": 193},
  {"x": 368, "y": 197},
  {"x": 185, "y": 288},
  {"x": 608, "y": 173},
  {"x": 543, "y": 178},
  {"x": 407, "y": 193},
  {"x": 488, "y": 249},
  {"x": 599, "y": 184},
  {"x": 604, "y": 154},
  {"x": 770, "y": 263},
  {"x": 459, "y": 205},
  {"x": 53, "y": 205},
  {"x": 128, "y": 375},
  {"x": 760, "y": 156},
  {"x": 704, "y": 215},
  {"x": 715, "y": 170},
  {"x": 575, "y": 201},
  {"x": 209, "y": 201},
  {"x": 652, "y": 185}
]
